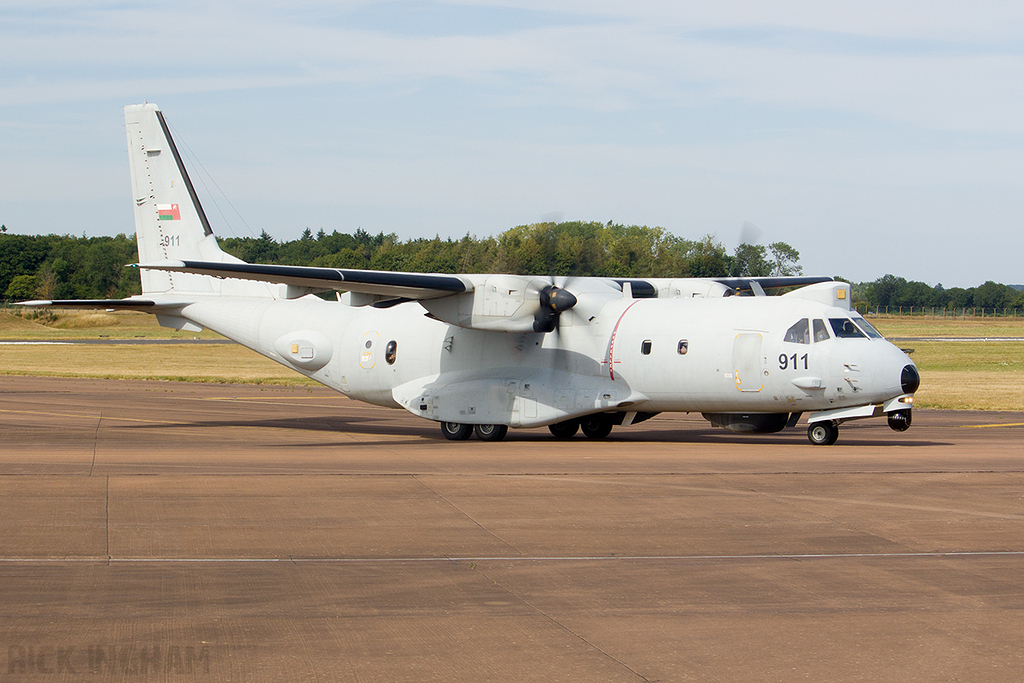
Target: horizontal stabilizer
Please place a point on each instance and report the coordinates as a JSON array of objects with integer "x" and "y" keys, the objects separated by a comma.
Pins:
[
  {"x": 406, "y": 285},
  {"x": 146, "y": 305}
]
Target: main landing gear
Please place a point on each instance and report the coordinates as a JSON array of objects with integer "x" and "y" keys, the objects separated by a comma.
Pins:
[
  {"x": 594, "y": 427},
  {"x": 456, "y": 431}
]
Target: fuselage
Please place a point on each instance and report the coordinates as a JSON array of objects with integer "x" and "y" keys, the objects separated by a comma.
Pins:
[{"x": 737, "y": 354}]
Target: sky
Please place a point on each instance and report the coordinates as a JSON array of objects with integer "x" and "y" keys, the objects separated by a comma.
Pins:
[{"x": 875, "y": 137}]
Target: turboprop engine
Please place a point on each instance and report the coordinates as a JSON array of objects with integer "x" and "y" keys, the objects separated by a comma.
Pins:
[{"x": 505, "y": 303}]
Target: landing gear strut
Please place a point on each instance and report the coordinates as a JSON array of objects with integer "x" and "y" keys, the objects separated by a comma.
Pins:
[{"x": 823, "y": 433}]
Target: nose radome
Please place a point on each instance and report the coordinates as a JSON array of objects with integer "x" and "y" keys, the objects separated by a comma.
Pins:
[{"x": 910, "y": 380}]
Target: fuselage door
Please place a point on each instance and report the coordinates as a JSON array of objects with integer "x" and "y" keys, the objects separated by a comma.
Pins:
[{"x": 747, "y": 362}]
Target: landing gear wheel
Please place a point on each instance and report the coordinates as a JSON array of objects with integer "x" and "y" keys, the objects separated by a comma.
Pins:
[
  {"x": 823, "y": 433},
  {"x": 596, "y": 426},
  {"x": 491, "y": 432},
  {"x": 900, "y": 420},
  {"x": 564, "y": 430},
  {"x": 454, "y": 431}
]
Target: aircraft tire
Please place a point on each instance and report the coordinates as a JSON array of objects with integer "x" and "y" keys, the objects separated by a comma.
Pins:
[
  {"x": 491, "y": 432},
  {"x": 823, "y": 433},
  {"x": 455, "y": 431},
  {"x": 596, "y": 426},
  {"x": 564, "y": 430}
]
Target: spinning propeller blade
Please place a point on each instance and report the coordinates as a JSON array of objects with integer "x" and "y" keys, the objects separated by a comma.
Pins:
[{"x": 553, "y": 302}]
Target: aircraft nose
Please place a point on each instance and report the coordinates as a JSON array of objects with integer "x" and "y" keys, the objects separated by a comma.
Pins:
[{"x": 910, "y": 380}]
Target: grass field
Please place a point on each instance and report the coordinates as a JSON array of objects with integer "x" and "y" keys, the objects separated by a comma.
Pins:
[
  {"x": 957, "y": 375},
  {"x": 907, "y": 326},
  {"x": 56, "y": 325}
]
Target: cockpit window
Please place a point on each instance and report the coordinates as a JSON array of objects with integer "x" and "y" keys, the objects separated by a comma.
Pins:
[
  {"x": 845, "y": 329},
  {"x": 820, "y": 331},
  {"x": 799, "y": 333},
  {"x": 867, "y": 327}
]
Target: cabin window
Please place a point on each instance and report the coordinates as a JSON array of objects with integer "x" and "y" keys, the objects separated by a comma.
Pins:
[
  {"x": 799, "y": 333},
  {"x": 645, "y": 347},
  {"x": 845, "y": 329},
  {"x": 820, "y": 330},
  {"x": 391, "y": 352},
  {"x": 683, "y": 347}
]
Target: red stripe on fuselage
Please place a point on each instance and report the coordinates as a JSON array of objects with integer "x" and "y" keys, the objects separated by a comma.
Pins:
[{"x": 611, "y": 342}]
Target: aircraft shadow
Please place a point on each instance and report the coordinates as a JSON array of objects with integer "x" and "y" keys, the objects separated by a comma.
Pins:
[
  {"x": 796, "y": 438},
  {"x": 308, "y": 424},
  {"x": 430, "y": 431}
]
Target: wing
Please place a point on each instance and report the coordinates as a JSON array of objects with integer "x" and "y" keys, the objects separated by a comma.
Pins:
[
  {"x": 377, "y": 283},
  {"x": 750, "y": 284}
]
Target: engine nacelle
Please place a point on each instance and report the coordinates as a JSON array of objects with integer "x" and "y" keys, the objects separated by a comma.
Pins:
[
  {"x": 761, "y": 423},
  {"x": 501, "y": 303}
]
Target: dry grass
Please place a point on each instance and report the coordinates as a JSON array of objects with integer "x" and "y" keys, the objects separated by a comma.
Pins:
[
  {"x": 86, "y": 321},
  {"x": 906, "y": 326},
  {"x": 187, "y": 363},
  {"x": 982, "y": 390},
  {"x": 59, "y": 324},
  {"x": 14, "y": 325},
  {"x": 970, "y": 375}
]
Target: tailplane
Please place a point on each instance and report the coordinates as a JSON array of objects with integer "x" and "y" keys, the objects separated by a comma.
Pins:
[{"x": 170, "y": 224}]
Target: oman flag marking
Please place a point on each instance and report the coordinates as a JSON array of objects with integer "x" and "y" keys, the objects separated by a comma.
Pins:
[{"x": 168, "y": 212}]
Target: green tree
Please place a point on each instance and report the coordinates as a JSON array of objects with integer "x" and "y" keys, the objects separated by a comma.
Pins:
[
  {"x": 707, "y": 258},
  {"x": 22, "y": 287},
  {"x": 749, "y": 261},
  {"x": 785, "y": 259},
  {"x": 993, "y": 295}
]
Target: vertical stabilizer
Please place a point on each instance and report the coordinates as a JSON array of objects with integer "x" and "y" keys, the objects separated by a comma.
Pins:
[{"x": 170, "y": 224}]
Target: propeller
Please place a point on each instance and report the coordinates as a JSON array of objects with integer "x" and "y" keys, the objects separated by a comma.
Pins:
[{"x": 554, "y": 300}]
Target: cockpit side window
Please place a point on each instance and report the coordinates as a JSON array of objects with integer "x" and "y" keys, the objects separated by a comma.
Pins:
[
  {"x": 867, "y": 327},
  {"x": 820, "y": 330},
  {"x": 799, "y": 333},
  {"x": 845, "y": 329}
]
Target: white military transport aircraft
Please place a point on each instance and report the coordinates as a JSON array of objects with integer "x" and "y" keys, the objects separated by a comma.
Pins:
[{"x": 482, "y": 353}]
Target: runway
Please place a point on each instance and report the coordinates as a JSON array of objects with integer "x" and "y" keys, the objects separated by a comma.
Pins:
[{"x": 169, "y": 531}]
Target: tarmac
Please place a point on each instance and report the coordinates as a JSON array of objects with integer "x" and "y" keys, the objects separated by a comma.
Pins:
[{"x": 169, "y": 531}]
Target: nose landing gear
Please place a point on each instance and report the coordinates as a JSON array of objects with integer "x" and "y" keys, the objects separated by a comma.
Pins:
[{"x": 899, "y": 420}]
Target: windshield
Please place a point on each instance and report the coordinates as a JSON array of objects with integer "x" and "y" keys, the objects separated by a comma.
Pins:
[
  {"x": 845, "y": 329},
  {"x": 867, "y": 327}
]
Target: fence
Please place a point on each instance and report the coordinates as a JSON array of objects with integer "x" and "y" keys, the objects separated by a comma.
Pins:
[{"x": 936, "y": 312}]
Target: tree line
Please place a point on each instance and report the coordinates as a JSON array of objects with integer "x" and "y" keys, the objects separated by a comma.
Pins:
[
  {"x": 68, "y": 267},
  {"x": 895, "y": 293}
]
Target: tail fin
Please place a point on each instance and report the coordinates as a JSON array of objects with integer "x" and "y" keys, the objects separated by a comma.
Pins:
[{"x": 170, "y": 224}]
